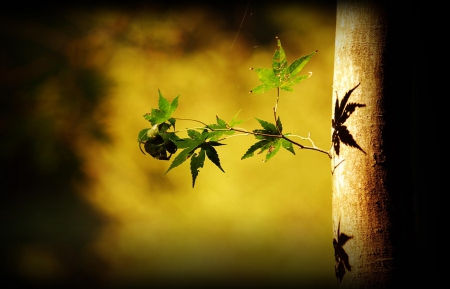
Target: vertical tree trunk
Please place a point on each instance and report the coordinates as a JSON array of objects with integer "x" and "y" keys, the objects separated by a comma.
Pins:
[{"x": 372, "y": 203}]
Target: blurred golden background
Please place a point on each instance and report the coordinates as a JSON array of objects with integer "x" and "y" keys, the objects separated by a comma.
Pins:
[{"x": 83, "y": 206}]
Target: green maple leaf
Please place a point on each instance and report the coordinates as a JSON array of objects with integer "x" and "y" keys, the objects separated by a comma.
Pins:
[
  {"x": 262, "y": 145},
  {"x": 189, "y": 145},
  {"x": 164, "y": 112},
  {"x": 152, "y": 134},
  {"x": 268, "y": 128},
  {"x": 196, "y": 141},
  {"x": 281, "y": 75},
  {"x": 221, "y": 128},
  {"x": 197, "y": 162},
  {"x": 142, "y": 135},
  {"x": 270, "y": 140},
  {"x": 211, "y": 152},
  {"x": 288, "y": 146},
  {"x": 234, "y": 121}
]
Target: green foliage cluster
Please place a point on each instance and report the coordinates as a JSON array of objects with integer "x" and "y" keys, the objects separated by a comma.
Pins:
[
  {"x": 281, "y": 75},
  {"x": 161, "y": 143}
]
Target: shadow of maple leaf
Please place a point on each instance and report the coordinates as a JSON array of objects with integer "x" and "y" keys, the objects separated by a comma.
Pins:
[
  {"x": 341, "y": 257},
  {"x": 342, "y": 112}
]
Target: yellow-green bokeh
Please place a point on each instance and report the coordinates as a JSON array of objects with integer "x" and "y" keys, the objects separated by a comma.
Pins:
[{"x": 257, "y": 219}]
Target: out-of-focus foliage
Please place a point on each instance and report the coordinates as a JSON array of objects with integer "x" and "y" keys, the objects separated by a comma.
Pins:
[
  {"x": 52, "y": 88},
  {"x": 81, "y": 205}
]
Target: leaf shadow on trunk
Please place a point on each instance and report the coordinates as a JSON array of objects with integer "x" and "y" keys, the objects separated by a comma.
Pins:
[
  {"x": 341, "y": 257},
  {"x": 342, "y": 112}
]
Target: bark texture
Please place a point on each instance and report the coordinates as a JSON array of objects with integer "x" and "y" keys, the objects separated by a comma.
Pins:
[{"x": 373, "y": 218}]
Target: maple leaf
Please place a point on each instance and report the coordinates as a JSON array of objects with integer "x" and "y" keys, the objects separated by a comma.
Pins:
[
  {"x": 221, "y": 128},
  {"x": 196, "y": 141},
  {"x": 342, "y": 112},
  {"x": 211, "y": 152},
  {"x": 197, "y": 162},
  {"x": 189, "y": 145},
  {"x": 270, "y": 140},
  {"x": 164, "y": 112},
  {"x": 157, "y": 141},
  {"x": 281, "y": 75}
]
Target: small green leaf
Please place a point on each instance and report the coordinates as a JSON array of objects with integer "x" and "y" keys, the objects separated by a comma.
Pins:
[
  {"x": 298, "y": 64},
  {"x": 164, "y": 112},
  {"x": 173, "y": 105},
  {"x": 160, "y": 128},
  {"x": 234, "y": 121},
  {"x": 197, "y": 162},
  {"x": 272, "y": 146},
  {"x": 163, "y": 104},
  {"x": 182, "y": 143},
  {"x": 172, "y": 121},
  {"x": 279, "y": 61},
  {"x": 279, "y": 125},
  {"x": 268, "y": 78},
  {"x": 181, "y": 157},
  {"x": 287, "y": 86},
  {"x": 154, "y": 116},
  {"x": 262, "y": 145},
  {"x": 288, "y": 145},
  {"x": 214, "y": 143},
  {"x": 281, "y": 75},
  {"x": 269, "y": 128},
  {"x": 219, "y": 130},
  {"x": 142, "y": 135},
  {"x": 189, "y": 145},
  {"x": 212, "y": 154},
  {"x": 268, "y": 142},
  {"x": 217, "y": 135},
  {"x": 170, "y": 136},
  {"x": 221, "y": 123},
  {"x": 193, "y": 134},
  {"x": 273, "y": 149}
]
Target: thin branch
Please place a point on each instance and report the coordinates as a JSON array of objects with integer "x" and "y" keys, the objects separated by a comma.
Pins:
[
  {"x": 254, "y": 133},
  {"x": 280, "y": 135},
  {"x": 306, "y": 138},
  {"x": 335, "y": 167},
  {"x": 195, "y": 121},
  {"x": 314, "y": 148}
]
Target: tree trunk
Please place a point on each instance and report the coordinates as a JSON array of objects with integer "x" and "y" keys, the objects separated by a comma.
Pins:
[{"x": 372, "y": 201}]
